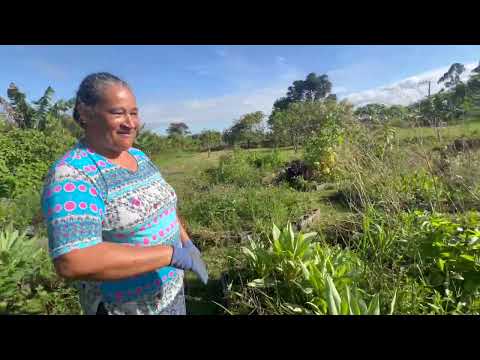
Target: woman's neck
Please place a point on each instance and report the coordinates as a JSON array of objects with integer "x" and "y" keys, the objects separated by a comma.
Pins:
[{"x": 102, "y": 150}]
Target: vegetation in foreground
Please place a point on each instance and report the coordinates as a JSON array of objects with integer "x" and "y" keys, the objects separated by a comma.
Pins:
[{"x": 369, "y": 211}]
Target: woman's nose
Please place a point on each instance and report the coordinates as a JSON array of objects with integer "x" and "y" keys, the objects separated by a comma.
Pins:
[{"x": 129, "y": 121}]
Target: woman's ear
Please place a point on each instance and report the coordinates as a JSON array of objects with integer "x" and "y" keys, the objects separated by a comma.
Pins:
[{"x": 85, "y": 115}]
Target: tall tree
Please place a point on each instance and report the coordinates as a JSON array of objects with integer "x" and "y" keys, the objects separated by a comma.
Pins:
[
  {"x": 179, "y": 129},
  {"x": 313, "y": 88},
  {"x": 452, "y": 77},
  {"x": 472, "y": 97},
  {"x": 477, "y": 69}
]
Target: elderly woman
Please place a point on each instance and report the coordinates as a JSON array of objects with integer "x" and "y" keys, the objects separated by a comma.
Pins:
[{"x": 111, "y": 217}]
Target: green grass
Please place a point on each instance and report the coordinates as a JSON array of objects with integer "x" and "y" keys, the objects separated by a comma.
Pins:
[
  {"x": 213, "y": 212},
  {"x": 469, "y": 128}
]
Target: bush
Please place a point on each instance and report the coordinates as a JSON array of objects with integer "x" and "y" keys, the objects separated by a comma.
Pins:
[
  {"x": 235, "y": 168},
  {"x": 22, "y": 211},
  {"x": 319, "y": 151},
  {"x": 289, "y": 273},
  {"x": 26, "y": 155},
  {"x": 451, "y": 248},
  {"x": 229, "y": 208},
  {"x": 28, "y": 283},
  {"x": 268, "y": 161}
]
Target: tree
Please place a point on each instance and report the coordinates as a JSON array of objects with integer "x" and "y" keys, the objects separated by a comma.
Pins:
[
  {"x": 43, "y": 106},
  {"x": 313, "y": 88},
  {"x": 282, "y": 103},
  {"x": 23, "y": 112},
  {"x": 477, "y": 69},
  {"x": 246, "y": 129},
  {"x": 332, "y": 97},
  {"x": 372, "y": 113},
  {"x": 209, "y": 139},
  {"x": 302, "y": 120},
  {"x": 9, "y": 113},
  {"x": 42, "y": 114},
  {"x": 452, "y": 77},
  {"x": 472, "y": 97},
  {"x": 179, "y": 129}
]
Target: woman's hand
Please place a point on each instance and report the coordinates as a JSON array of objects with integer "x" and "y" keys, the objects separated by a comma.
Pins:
[{"x": 189, "y": 258}]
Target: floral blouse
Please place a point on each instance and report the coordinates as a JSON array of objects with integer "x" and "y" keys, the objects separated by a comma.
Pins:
[{"x": 87, "y": 200}]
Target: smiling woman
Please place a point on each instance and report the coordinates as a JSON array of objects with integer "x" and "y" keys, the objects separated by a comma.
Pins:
[{"x": 111, "y": 217}]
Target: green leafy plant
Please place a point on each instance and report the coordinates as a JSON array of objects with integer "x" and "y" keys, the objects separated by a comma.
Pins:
[
  {"x": 453, "y": 247},
  {"x": 28, "y": 283},
  {"x": 291, "y": 273}
]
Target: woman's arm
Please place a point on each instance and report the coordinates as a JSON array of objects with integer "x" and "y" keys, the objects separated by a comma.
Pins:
[{"x": 108, "y": 261}]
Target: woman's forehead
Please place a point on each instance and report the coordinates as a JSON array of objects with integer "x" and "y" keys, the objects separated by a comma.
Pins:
[{"x": 117, "y": 94}]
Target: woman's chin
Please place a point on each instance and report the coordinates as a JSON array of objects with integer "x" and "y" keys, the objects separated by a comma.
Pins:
[{"x": 124, "y": 144}]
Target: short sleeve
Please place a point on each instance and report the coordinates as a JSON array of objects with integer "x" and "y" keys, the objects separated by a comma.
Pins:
[{"x": 73, "y": 211}]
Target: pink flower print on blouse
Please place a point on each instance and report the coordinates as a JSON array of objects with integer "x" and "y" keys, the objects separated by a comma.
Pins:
[
  {"x": 135, "y": 202},
  {"x": 69, "y": 187},
  {"x": 70, "y": 206}
]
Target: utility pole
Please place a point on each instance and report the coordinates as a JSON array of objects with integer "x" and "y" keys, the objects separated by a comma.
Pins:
[
  {"x": 435, "y": 120},
  {"x": 429, "y": 82}
]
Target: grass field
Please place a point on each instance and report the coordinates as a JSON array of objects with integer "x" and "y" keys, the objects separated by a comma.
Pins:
[{"x": 186, "y": 173}]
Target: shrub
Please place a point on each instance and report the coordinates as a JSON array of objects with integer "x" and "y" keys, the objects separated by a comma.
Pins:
[
  {"x": 292, "y": 274},
  {"x": 28, "y": 283},
  {"x": 26, "y": 155}
]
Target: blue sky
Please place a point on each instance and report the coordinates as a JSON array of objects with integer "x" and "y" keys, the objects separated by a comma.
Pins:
[{"x": 211, "y": 86}]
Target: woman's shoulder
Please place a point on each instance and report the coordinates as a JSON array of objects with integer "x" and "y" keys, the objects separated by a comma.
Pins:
[
  {"x": 139, "y": 154},
  {"x": 71, "y": 164}
]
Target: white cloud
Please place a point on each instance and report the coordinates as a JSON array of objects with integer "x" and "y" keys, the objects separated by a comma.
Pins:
[
  {"x": 219, "y": 112},
  {"x": 339, "y": 89},
  {"x": 405, "y": 91},
  {"x": 214, "y": 113}
]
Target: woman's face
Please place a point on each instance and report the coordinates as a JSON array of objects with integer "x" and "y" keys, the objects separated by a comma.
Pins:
[{"x": 113, "y": 123}]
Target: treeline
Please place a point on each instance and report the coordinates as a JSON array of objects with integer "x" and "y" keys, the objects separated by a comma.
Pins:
[
  {"x": 294, "y": 118},
  {"x": 457, "y": 100}
]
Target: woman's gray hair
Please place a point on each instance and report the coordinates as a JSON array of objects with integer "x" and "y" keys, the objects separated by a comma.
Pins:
[{"x": 91, "y": 90}]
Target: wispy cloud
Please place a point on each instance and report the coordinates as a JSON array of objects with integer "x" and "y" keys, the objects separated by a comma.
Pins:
[
  {"x": 339, "y": 90},
  {"x": 216, "y": 112},
  {"x": 405, "y": 91},
  {"x": 219, "y": 112},
  {"x": 355, "y": 74}
]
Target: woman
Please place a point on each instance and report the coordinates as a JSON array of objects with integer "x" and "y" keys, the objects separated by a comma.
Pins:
[{"x": 111, "y": 217}]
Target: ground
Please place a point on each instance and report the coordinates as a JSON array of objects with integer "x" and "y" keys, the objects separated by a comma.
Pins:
[{"x": 182, "y": 168}]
